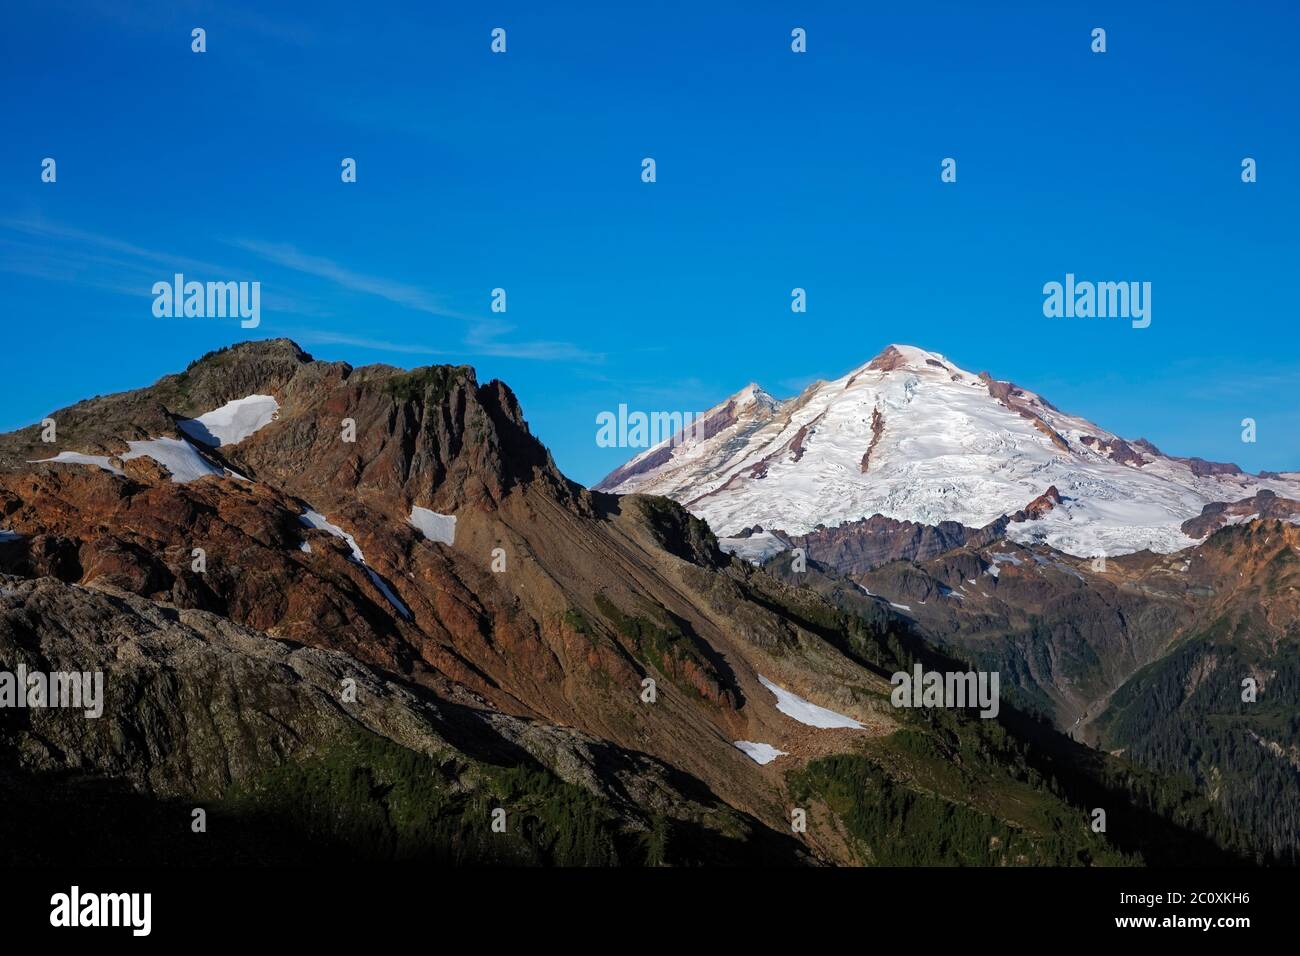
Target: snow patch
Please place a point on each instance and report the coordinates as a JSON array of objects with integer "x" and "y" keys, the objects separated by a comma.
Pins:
[
  {"x": 232, "y": 422},
  {"x": 314, "y": 519},
  {"x": 806, "y": 712},
  {"x": 759, "y": 753},
  {"x": 176, "y": 455},
  {"x": 435, "y": 527}
]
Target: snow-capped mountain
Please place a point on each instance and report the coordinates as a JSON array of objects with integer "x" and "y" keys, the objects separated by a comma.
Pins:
[{"x": 911, "y": 436}]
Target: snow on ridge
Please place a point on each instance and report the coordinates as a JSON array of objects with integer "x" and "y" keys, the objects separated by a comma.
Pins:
[
  {"x": 759, "y": 752},
  {"x": 181, "y": 459},
  {"x": 806, "y": 712},
  {"x": 77, "y": 458},
  {"x": 232, "y": 422},
  {"x": 314, "y": 519},
  {"x": 176, "y": 455},
  {"x": 434, "y": 526}
]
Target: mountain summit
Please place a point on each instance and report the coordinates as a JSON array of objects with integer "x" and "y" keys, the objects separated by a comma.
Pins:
[{"x": 912, "y": 436}]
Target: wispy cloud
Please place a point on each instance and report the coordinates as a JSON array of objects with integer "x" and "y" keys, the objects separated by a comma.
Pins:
[
  {"x": 290, "y": 257},
  {"x": 484, "y": 339},
  {"x": 69, "y": 238},
  {"x": 318, "y": 337},
  {"x": 60, "y": 253}
]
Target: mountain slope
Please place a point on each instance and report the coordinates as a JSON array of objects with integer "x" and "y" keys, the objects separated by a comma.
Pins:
[{"x": 205, "y": 713}]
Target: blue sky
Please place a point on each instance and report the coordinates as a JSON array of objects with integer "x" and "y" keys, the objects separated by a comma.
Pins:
[{"x": 775, "y": 170}]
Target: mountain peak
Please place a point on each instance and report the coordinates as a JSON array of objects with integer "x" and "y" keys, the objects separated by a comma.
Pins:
[
  {"x": 751, "y": 394},
  {"x": 898, "y": 356},
  {"x": 281, "y": 349}
]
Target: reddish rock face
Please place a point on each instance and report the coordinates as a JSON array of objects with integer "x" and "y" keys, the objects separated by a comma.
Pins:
[
  {"x": 1266, "y": 504},
  {"x": 1118, "y": 451},
  {"x": 1039, "y": 506},
  {"x": 1201, "y": 467},
  {"x": 877, "y": 429},
  {"x": 859, "y": 546},
  {"x": 1013, "y": 397},
  {"x": 887, "y": 361}
]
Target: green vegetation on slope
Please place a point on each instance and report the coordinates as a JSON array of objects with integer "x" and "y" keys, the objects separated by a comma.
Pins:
[
  {"x": 893, "y": 825},
  {"x": 434, "y": 381},
  {"x": 1184, "y": 716},
  {"x": 1007, "y": 766},
  {"x": 663, "y": 644},
  {"x": 387, "y": 803}
]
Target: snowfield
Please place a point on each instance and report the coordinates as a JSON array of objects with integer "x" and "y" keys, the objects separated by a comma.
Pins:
[
  {"x": 435, "y": 527},
  {"x": 943, "y": 448},
  {"x": 759, "y": 753},
  {"x": 806, "y": 712},
  {"x": 232, "y": 422}
]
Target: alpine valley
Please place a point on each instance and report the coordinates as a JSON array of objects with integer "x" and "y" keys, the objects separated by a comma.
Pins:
[{"x": 359, "y": 614}]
